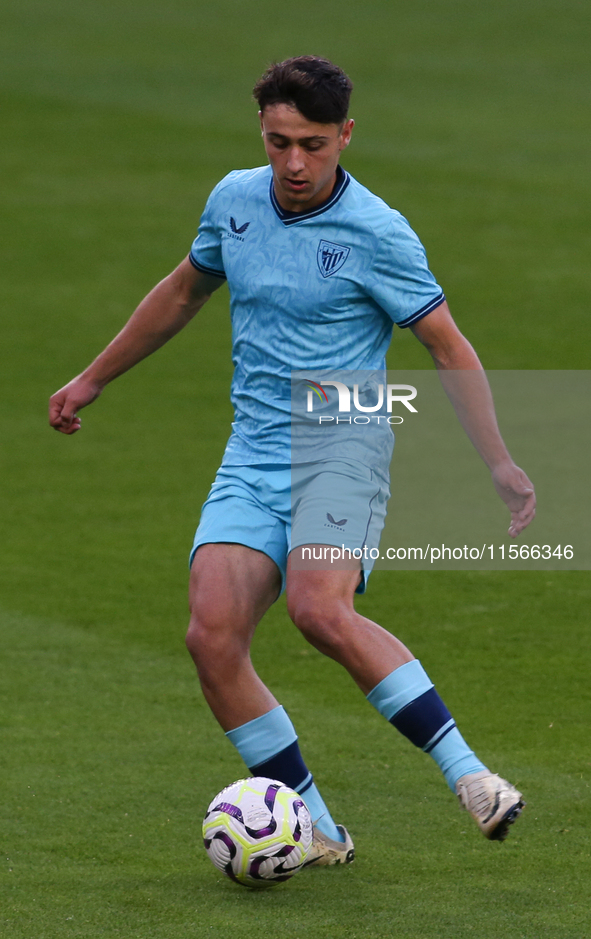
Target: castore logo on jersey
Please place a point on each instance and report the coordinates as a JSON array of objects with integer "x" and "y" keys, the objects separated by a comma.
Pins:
[{"x": 237, "y": 232}]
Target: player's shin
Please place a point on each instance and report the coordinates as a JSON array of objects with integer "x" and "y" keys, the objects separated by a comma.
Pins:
[{"x": 269, "y": 747}]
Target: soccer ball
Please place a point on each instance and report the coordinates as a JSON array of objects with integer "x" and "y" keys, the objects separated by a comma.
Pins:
[{"x": 258, "y": 832}]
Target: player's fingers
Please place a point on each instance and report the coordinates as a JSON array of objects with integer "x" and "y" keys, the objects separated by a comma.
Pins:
[
  {"x": 70, "y": 428},
  {"x": 55, "y": 411},
  {"x": 63, "y": 419},
  {"x": 68, "y": 412},
  {"x": 529, "y": 509},
  {"x": 520, "y": 520},
  {"x": 526, "y": 513},
  {"x": 528, "y": 502},
  {"x": 62, "y": 410},
  {"x": 520, "y": 499}
]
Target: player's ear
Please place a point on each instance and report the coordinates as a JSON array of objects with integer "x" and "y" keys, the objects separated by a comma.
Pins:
[
  {"x": 346, "y": 132},
  {"x": 261, "y": 121}
]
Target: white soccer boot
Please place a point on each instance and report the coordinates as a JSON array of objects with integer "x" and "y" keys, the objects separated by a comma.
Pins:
[
  {"x": 326, "y": 852},
  {"x": 493, "y": 803}
]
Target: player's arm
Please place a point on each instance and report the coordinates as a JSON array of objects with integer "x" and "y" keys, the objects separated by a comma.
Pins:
[
  {"x": 467, "y": 387},
  {"x": 163, "y": 313}
]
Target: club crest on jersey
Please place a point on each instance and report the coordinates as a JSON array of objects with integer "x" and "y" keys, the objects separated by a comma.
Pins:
[{"x": 331, "y": 257}]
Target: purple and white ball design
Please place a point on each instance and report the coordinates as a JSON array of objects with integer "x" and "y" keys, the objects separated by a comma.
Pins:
[{"x": 258, "y": 832}]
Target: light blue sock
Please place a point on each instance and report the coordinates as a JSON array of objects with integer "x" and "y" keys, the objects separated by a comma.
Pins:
[
  {"x": 455, "y": 758},
  {"x": 269, "y": 747},
  {"x": 406, "y": 697}
]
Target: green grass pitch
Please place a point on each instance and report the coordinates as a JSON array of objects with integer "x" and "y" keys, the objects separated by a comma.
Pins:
[{"x": 117, "y": 119}]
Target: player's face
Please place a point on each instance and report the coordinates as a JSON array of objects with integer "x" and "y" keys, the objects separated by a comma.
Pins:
[{"x": 303, "y": 154}]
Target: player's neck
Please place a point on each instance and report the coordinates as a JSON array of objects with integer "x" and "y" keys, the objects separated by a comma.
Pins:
[{"x": 294, "y": 207}]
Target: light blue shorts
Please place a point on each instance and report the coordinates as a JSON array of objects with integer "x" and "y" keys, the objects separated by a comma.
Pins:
[{"x": 274, "y": 508}]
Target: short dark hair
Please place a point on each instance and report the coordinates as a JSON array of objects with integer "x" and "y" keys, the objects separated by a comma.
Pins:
[{"x": 318, "y": 89}]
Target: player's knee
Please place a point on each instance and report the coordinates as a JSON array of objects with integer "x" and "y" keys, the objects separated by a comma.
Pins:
[
  {"x": 322, "y": 625},
  {"x": 204, "y": 640},
  {"x": 198, "y": 640},
  {"x": 214, "y": 647}
]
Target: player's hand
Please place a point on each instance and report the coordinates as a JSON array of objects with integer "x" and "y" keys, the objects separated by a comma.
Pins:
[
  {"x": 65, "y": 404},
  {"x": 517, "y": 491}
]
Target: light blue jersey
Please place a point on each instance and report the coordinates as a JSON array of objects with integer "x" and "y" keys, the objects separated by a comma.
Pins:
[{"x": 308, "y": 291}]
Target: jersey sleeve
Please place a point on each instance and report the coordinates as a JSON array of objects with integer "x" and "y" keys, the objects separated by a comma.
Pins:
[
  {"x": 399, "y": 277},
  {"x": 206, "y": 250}
]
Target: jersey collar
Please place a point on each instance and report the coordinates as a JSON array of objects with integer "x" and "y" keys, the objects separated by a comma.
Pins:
[{"x": 290, "y": 218}]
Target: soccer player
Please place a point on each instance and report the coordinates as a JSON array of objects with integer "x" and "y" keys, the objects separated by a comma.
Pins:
[{"x": 319, "y": 269}]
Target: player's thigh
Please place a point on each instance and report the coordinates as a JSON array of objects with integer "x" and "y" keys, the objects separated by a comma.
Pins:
[
  {"x": 231, "y": 587},
  {"x": 337, "y": 521}
]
